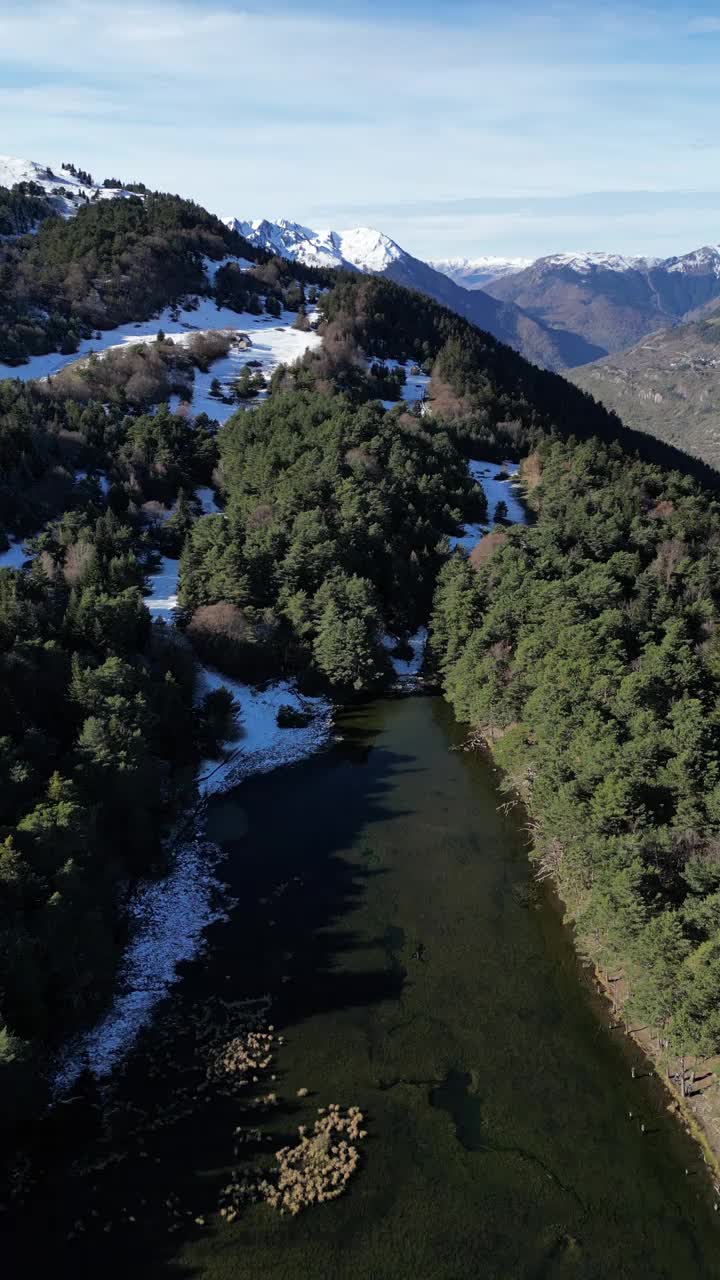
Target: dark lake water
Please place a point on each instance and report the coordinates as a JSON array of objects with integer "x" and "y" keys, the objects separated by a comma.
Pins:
[{"x": 415, "y": 972}]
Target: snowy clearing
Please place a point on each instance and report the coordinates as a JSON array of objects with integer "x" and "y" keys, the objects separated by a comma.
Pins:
[
  {"x": 274, "y": 342},
  {"x": 261, "y": 745},
  {"x": 495, "y": 491},
  {"x": 163, "y": 583}
]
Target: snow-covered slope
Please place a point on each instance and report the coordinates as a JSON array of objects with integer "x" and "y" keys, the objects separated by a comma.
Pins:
[
  {"x": 473, "y": 273},
  {"x": 68, "y": 192},
  {"x": 360, "y": 248}
]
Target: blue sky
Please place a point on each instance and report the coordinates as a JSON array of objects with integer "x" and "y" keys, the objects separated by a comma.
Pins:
[{"x": 457, "y": 128}]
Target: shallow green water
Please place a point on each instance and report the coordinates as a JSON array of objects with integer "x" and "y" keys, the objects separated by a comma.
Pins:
[{"x": 416, "y": 974}]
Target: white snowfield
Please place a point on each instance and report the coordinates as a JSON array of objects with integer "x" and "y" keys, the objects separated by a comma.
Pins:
[
  {"x": 274, "y": 342},
  {"x": 407, "y": 670},
  {"x": 49, "y": 177},
  {"x": 700, "y": 261},
  {"x": 361, "y": 248}
]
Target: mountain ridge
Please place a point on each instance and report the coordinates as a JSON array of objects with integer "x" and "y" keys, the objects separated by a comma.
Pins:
[{"x": 368, "y": 251}]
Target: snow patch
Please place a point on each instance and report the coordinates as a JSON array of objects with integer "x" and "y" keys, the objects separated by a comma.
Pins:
[
  {"x": 14, "y": 170},
  {"x": 168, "y": 918},
  {"x": 261, "y": 745},
  {"x": 274, "y": 341},
  {"x": 484, "y": 474},
  {"x": 163, "y": 583},
  {"x": 407, "y": 669}
]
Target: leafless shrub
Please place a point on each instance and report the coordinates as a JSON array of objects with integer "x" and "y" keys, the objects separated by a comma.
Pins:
[
  {"x": 205, "y": 348},
  {"x": 78, "y": 558}
]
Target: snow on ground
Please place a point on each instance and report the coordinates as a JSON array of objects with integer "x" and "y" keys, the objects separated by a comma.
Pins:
[
  {"x": 206, "y": 498},
  {"x": 413, "y": 389},
  {"x": 49, "y": 177},
  {"x": 163, "y": 584},
  {"x": 211, "y": 267},
  {"x": 274, "y": 343},
  {"x": 495, "y": 491},
  {"x": 168, "y": 919},
  {"x": 407, "y": 669},
  {"x": 261, "y": 745}
]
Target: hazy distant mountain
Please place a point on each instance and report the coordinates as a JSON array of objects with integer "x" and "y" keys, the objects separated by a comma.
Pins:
[
  {"x": 668, "y": 385},
  {"x": 474, "y": 273},
  {"x": 610, "y": 300},
  {"x": 364, "y": 249}
]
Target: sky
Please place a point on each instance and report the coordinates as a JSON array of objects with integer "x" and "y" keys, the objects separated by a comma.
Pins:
[{"x": 459, "y": 129}]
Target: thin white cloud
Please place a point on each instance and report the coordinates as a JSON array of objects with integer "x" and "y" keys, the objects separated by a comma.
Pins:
[{"x": 285, "y": 112}]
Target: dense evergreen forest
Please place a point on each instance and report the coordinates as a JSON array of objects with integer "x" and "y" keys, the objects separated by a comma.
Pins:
[
  {"x": 587, "y": 650},
  {"x": 585, "y": 646}
]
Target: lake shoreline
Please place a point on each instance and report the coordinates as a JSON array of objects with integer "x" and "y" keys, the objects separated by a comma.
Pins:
[{"x": 599, "y": 988}]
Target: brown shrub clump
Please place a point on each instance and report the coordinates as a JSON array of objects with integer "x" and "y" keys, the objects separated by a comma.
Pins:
[
  {"x": 531, "y": 471},
  {"x": 208, "y": 346},
  {"x": 483, "y": 550}
]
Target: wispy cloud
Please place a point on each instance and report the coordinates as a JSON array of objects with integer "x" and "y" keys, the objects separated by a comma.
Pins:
[{"x": 389, "y": 111}]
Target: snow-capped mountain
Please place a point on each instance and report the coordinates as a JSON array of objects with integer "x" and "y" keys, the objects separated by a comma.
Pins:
[
  {"x": 474, "y": 273},
  {"x": 66, "y": 191},
  {"x": 705, "y": 261},
  {"x": 367, "y": 250},
  {"x": 610, "y": 299},
  {"x": 361, "y": 248}
]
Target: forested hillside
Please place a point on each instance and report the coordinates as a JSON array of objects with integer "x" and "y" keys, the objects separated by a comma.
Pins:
[
  {"x": 114, "y": 261},
  {"x": 586, "y": 649},
  {"x": 586, "y": 642}
]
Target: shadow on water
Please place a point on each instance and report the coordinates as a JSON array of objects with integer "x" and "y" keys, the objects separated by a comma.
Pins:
[
  {"x": 297, "y": 934},
  {"x": 386, "y": 905}
]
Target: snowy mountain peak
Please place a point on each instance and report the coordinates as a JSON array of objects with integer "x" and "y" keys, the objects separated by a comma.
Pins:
[
  {"x": 473, "y": 273},
  {"x": 702, "y": 261},
  {"x": 361, "y": 248},
  {"x": 584, "y": 262}
]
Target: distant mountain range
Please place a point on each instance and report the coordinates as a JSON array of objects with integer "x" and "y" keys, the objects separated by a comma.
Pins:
[
  {"x": 609, "y": 300},
  {"x": 369, "y": 251},
  {"x": 561, "y": 311}
]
